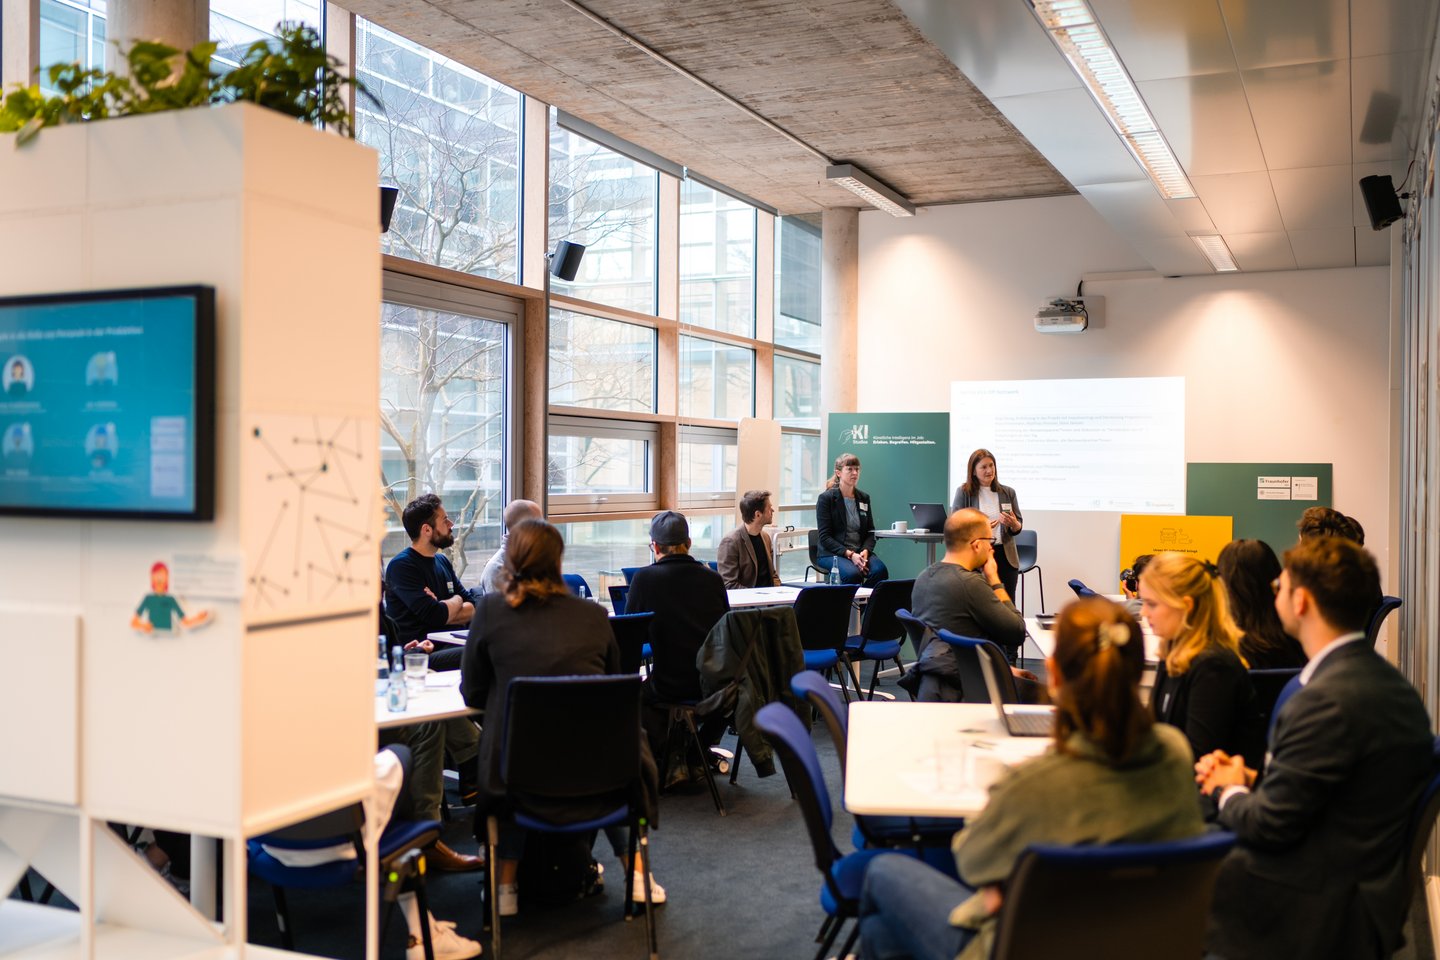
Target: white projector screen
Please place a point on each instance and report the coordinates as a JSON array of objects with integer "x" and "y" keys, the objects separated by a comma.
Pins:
[{"x": 1114, "y": 444}]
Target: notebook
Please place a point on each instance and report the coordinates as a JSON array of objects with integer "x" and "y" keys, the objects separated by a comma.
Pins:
[
  {"x": 928, "y": 516},
  {"x": 1020, "y": 720}
]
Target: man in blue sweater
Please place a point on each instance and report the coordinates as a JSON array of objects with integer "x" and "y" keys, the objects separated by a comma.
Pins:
[{"x": 422, "y": 591}]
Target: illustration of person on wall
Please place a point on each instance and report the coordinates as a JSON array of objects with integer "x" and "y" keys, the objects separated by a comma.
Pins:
[
  {"x": 160, "y": 611},
  {"x": 19, "y": 377}
]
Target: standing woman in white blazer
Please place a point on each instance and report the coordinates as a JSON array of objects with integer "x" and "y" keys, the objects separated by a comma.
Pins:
[{"x": 983, "y": 491}]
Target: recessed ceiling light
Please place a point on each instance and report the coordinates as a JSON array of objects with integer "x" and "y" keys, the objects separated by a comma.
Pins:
[{"x": 1217, "y": 252}]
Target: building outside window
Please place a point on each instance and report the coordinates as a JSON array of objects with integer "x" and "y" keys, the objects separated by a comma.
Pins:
[{"x": 717, "y": 260}]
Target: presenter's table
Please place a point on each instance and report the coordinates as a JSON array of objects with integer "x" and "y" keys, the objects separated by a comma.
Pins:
[
  {"x": 931, "y": 539},
  {"x": 440, "y": 701},
  {"x": 894, "y": 763}
]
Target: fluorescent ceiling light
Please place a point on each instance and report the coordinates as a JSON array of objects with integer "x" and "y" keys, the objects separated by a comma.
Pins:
[
  {"x": 1215, "y": 250},
  {"x": 869, "y": 189},
  {"x": 1075, "y": 31}
]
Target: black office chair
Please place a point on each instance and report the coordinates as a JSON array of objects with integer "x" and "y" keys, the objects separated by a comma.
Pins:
[
  {"x": 1388, "y": 605},
  {"x": 549, "y": 763},
  {"x": 814, "y": 563},
  {"x": 632, "y": 635},
  {"x": 1268, "y": 684},
  {"x": 822, "y": 612},
  {"x": 881, "y": 632},
  {"x": 1054, "y": 894},
  {"x": 1027, "y": 550},
  {"x": 669, "y": 661}
]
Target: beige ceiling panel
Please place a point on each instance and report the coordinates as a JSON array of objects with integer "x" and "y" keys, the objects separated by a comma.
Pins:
[
  {"x": 1206, "y": 120},
  {"x": 1191, "y": 215},
  {"x": 1167, "y": 38},
  {"x": 1359, "y": 217},
  {"x": 1384, "y": 96},
  {"x": 1273, "y": 33},
  {"x": 1240, "y": 202},
  {"x": 1319, "y": 249},
  {"x": 1135, "y": 209},
  {"x": 1314, "y": 198},
  {"x": 1000, "y": 47},
  {"x": 1173, "y": 256},
  {"x": 1302, "y": 113},
  {"x": 1261, "y": 251},
  {"x": 1372, "y": 247},
  {"x": 1390, "y": 26},
  {"x": 1070, "y": 131}
]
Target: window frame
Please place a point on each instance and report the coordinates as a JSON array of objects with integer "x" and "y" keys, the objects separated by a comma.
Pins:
[{"x": 578, "y": 506}]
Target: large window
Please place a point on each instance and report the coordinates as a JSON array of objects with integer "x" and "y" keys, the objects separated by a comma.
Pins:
[
  {"x": 235, "y": 24},
  {"x": 717, "y": 380},
  {"x": 595, "y": 466},
  {"x": 608, "y": 203},
  {"x": 717, "y": 260},
  {"x": 802, "y": 472},
  {"x": 449, "y": 139},
  {"x": 797, "y": 283},
  {"x": 605, "y": 364},
  {"x": 442, "y": 416},
  {"x": 71, "y": 31},
  {"x": 709, "y": 464},
  {"x": 797, "y": 392}
]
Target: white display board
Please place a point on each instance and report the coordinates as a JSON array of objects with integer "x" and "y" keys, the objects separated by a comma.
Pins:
[{"x": 1094, "y": 444}]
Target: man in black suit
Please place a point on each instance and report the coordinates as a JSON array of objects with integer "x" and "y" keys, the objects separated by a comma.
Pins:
[{"x": 1319, "y": 870}]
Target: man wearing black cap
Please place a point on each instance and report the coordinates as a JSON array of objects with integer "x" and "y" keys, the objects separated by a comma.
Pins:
[{"x": 687, "y": 598}]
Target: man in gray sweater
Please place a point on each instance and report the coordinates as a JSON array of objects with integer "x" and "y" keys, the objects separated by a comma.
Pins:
[{"x": 962, "y": 592}]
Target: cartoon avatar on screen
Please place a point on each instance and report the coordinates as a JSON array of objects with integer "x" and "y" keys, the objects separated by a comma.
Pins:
[
  {"x": 18, "y": 376},
  {"x": 161, "y": 612}
]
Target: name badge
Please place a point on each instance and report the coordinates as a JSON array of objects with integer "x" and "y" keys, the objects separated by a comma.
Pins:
[
  {"x": 864, "y": 508},
  {"x": 449, "y": 586}
]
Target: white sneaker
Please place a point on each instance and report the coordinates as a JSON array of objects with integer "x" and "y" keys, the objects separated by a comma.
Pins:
[
  {"x": 637, "y": 890},
  {"x": 447, "y": 944},
  {"x": 509, "y": 899}
]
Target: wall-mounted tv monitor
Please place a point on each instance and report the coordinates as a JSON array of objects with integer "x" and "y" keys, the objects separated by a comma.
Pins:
[{"x": 107, "y": 404}]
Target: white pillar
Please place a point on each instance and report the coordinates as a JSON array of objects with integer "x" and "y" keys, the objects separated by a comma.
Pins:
[
  {"x": 19, "y": 41},
  {"x": 180, "y": 23},
  {"x": 839, "y": 308}
]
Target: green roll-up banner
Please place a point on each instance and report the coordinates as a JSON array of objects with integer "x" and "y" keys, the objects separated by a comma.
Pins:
[{"x": 904, "y": 457}]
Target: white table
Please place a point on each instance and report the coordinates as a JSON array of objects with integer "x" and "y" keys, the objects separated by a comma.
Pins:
[
  {"x": 931, "y": 539},
  {"x": 1044, "y": 639},
  {"x": 440, "y": 701},
  {"x": 776, "y": 596},
  {"x": 892, "y": 763}
]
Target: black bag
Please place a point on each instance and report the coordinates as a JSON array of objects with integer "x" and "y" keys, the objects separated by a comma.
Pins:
[{"x": 558, "y": 868}]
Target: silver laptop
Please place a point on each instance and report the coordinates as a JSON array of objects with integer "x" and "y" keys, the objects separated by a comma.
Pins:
[
  {"x": 928, "y": 516},
  {"x": 1021, "y": 720}
]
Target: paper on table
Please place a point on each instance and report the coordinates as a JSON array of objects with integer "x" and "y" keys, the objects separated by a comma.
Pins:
[{"x": 446, "y": 678}]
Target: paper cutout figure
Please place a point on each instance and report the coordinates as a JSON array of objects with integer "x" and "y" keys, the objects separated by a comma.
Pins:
[{"x": 161, "y": 612}]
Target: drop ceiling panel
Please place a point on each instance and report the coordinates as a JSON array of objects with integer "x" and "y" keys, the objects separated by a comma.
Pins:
[
  {"x": 1302, "y": 113},
  {"x": 1261, "y": 251},
  {"x": 1240, "y": 202},
  {"x": 1174, "y": 256},
  {"x": 1167, "y": 38},
  {"x": 1135, "y": 209},
  {"x": 1383, "y": 99},
  {"x": 1319, "y": 249},
  {"x": 1190, "y": 215},
  {"x": 1273, "y": 33},
  {"x": 1389, "y": 26},
  {"x": 1000, "y": 47},
  {"x": 1314, "y": 198},
  {"x": 1067, "y": 124},
  {"x": 1372, "y": 248},
  {"x": 1207, "y": 122}
]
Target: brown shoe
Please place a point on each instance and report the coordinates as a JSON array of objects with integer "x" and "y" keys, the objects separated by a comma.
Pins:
[{"x": 444, "y": 859}]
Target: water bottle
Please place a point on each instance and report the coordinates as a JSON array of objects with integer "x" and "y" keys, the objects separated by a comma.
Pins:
[
  {"x": 397, "y": 659},
  {"x": 397, "y": 698},
  {"x": 834, "y": 578}
]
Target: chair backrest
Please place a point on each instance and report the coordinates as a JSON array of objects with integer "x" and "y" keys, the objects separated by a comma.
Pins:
[
  {"x": 1080, "y": 589},
  {"x": 814, "y": 540},
  {"x": 1291, "y": 687},
  {"x": 628, "y": 573},
  {"x": 802, "y": 770},
  {"x": 545, "y": 752},
  {"x": 577, "y": 585},
  {"x": 1027, "y": 549},
  {"x": 713, "y": 565},
  {"x": 1268, "y": 684},
  {"x": 1158, "y": 894},
  {"x": 1377, "y": 619},
  {"x": 916, "y": 629},
  {"x": 879, "y": 621},
  {"x": 812, "y": 687},
  {"x": 1422, "y": 823},
  {"x": 326, "y": 830},
  {"x": 822, "y": 612},
  {"x": 632, "y": 632},
  {"x": 968, "y": 651},
  {"x": 617, "y": 598}
]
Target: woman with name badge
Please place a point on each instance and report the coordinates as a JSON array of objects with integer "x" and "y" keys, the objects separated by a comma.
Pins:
[
  {"x": 983, "y": 491},
  {"x": 846, "y": 527}
]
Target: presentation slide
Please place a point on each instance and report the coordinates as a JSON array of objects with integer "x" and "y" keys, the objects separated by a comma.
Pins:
[{"x": 1113, "y": 444}]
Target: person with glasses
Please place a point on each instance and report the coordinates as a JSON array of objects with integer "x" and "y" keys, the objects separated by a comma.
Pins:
[
  {"x": 1201, "y": 685},
  {"x": 983, "y": 491}
]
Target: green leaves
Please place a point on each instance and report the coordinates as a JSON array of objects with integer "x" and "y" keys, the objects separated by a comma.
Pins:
[{"x": 292, "y": 74}]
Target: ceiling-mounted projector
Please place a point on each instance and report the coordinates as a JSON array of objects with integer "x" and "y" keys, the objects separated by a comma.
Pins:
[{"x": 1063, "y": 316}]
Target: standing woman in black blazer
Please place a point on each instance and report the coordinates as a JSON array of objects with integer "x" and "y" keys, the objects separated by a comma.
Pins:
[
  {"x": 983, "y": 491},
  {"x": 846, "y": 526}
]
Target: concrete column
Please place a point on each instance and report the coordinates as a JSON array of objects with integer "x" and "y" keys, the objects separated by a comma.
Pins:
[
  {"x": 839, "y": 308},
  {"x": 180, "y": 23},
  {"x": 19, "y": 41}
]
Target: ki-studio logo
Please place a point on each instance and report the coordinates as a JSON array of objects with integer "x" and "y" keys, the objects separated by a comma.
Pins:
[{"x": 857, "y": 433}]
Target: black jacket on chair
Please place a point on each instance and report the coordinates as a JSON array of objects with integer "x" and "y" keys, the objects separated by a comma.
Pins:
[{"x": 830, "y": 521}]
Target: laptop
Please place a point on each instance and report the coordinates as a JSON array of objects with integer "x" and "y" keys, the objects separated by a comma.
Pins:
[
  {"x": 1021, "y": 720},
  {"x": 928, "y": 516}
]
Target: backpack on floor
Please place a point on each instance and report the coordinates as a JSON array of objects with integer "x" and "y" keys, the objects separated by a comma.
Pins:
[{"x": 558, "y": 868}]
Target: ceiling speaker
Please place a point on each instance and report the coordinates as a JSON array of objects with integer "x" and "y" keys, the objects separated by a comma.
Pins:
[
  {"x": 565, "y": 261},
  {"x": 1380, "y": 201}
]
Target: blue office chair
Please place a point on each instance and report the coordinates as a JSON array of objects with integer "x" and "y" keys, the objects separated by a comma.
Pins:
[
  {"x": 1292, "y": 686},
  {"x": 843, "y": 875},
  {"x": 919, "y": 634},
  {"x": 617, "y": 598},
  {"x": 1080, "y": 589},
  {"x": 968, "y": 651},
  {"x": 632, "y": 635},
  {"x": 1387, "y": 606},
  {"x": 1027, "y": 551},
  {"x": 628, "y": 573},
  {"x": 822, "y": 612},
  {"x": 713, "y": 565},
  {"x": 578, "y": 586},
  {"x": 881, "y": 633},
  {"x": 1055, "y": 893}
]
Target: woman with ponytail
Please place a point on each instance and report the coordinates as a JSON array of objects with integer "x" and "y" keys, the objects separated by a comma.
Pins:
[
  {"x": 1202, "y": 685},
  {"x": 532, "y": 627},
  {"x": 1112, "y": 775},
  {"x": 845, "y": 526}
]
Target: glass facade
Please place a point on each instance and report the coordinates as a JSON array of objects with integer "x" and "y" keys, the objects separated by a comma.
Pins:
[
  {"x": 599, "y": 363},
  {"x": 717, "y": 260},
  {"x": 797, "y": 283},
  {"x": 717, "y": 380}
]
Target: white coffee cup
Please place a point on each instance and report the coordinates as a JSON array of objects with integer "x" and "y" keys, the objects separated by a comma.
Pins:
[{"x": 901, "y": 526}]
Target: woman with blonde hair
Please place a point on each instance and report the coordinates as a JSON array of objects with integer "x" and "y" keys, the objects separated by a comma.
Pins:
[{"x": 1201, "y": 685}]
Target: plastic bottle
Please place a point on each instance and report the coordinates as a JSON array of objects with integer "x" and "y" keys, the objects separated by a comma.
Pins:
[{"x": 397, "y": 697}]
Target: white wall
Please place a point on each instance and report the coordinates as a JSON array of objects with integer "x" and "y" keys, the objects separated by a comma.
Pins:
[{"x": 1290, "y": 366}]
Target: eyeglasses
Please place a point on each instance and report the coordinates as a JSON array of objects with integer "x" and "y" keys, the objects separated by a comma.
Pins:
[{"x": 990, "y": 540}]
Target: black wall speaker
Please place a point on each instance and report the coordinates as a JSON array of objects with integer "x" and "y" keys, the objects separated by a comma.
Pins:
[
  {"x": 565, "y": 262},
  {"x": 388, "y": 195},
  {"x": 1380, "y": 201}
]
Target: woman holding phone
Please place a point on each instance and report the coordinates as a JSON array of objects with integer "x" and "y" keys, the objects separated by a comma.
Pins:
[{"x": 983, "y": 491}]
